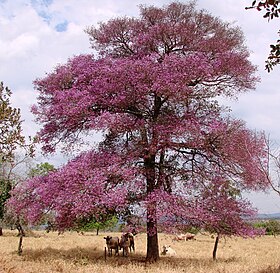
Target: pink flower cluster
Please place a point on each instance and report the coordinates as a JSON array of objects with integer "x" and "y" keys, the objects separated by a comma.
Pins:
[{"x": 82, "y": 188}]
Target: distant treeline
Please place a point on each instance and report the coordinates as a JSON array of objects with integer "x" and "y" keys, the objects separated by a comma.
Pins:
[{"x": 271, "y": 226}]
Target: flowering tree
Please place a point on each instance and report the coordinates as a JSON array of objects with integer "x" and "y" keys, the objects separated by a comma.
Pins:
[
  {"x": 224, "y": 212},
  {"x": 152, "y": 91}
]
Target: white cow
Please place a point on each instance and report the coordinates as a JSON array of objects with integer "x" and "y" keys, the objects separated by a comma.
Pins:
[
  {"x": 184, "y": 237},
  {"x": 168, "y": 251}
]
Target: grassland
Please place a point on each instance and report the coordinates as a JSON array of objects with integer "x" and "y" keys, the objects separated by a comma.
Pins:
[{"x": 72, "y": 252}]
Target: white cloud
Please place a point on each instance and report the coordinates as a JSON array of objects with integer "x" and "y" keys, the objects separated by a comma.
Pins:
[{"x": 20, "y": 47}]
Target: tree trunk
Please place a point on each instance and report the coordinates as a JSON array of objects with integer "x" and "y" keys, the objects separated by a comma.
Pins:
[
  {"x": 1, "y": 231},
  {"x": 20, "y": 229},
  {"x": 216, "y": 247},
  {"x": 97, "y": 231},
  {"x": 20, "y": 245},
  {"x": 150, "y": 174},
  {"x": 152, "y": 248},
  {"x": 152, "y": 235},
  {"x": 21, "y": 234}
]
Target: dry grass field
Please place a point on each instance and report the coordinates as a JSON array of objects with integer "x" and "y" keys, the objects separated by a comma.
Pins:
[{"x": 72, "y": 252}]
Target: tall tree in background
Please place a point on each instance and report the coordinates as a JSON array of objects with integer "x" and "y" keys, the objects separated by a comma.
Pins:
[
  {"x": 152, "y": 91},
  {"x": 11, "y": 139},
  {"x": 10, "y": 126},
  {"x": 272, "y": 10}
]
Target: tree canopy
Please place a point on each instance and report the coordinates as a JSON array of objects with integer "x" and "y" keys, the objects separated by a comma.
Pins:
[{"x": 152, "y": 91}]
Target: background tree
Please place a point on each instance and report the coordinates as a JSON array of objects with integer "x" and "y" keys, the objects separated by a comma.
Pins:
[
  {"x": 102, "y": 222},
  {"x": 152, "y": 91},
  {"x": 272, "y": 10},
  {"x": 272, "y": 165},
  {"x": 13, "y": 148},
  {"x": 271, "y": 226},
  {"x": 230, "y": 214},
  {"x": 10, "y": 126},
  {"x": 11, "y": 173},
  {"x": 41, "y": 169}
]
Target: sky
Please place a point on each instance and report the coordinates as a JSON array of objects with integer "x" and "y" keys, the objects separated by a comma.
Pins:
[{"x": 37, "y": 35}]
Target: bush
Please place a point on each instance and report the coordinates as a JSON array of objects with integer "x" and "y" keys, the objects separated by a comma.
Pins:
[{"x": 272, "y": 227}]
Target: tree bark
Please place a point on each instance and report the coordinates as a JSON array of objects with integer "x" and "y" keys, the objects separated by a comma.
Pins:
[
  {"x": 150, "y": 174},
  {"x": 20, "y": 229},
  {"x": 21, "y": 234},
  {"x": 20, "y": 245},
  {"x": 216, "y": 247},
  {"x": 152, "y": 235}
]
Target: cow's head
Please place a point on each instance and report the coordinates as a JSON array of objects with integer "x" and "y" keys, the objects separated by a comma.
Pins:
[
  {"x": 108, "y": 238},
  {"x": 165, "y": 249}
]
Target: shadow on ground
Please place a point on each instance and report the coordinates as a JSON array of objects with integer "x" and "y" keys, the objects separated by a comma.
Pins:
[
  {"x": 270, "y": 270},
  {"x": 93, "y": 255}
]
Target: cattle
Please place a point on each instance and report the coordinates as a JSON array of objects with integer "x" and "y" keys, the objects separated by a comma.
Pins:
[
  {"x": 131, "y": 241},
  {"x": 190, "y": 236},
  {"x": 127, "y": 242},
  {"x": 112, "y": 243},
  {"x": 168, "y": 251},
  {"x": 184, "y": 237}
]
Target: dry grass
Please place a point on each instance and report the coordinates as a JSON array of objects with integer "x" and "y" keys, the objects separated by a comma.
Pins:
[{"x": 71, "y": 252}]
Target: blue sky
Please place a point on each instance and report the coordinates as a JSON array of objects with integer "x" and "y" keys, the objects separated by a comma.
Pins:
[{"x": 36, "y": 35}]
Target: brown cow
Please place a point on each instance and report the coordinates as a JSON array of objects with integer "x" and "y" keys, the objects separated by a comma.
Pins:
[
  {"x": 127, "y": 241},
  {"x": 112, "y": 243}
]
